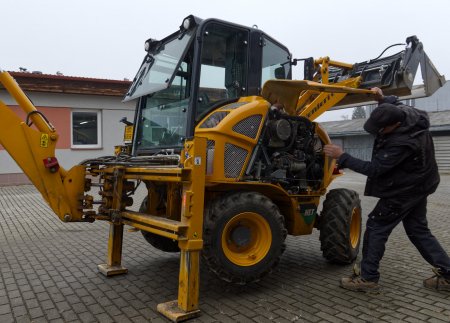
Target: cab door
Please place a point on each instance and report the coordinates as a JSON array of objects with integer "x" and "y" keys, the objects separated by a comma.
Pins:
[{"x": 223, "y": 65}]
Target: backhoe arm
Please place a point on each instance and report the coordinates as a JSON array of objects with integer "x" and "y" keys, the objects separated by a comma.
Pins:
[
  {"x": 33, "y": 149},
  {"x": 329, "y": 84}
]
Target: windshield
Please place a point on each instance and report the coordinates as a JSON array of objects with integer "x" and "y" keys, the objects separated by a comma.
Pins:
[
  {"x": 163, "y": 116},
  {"x": 159, "y": 65}
]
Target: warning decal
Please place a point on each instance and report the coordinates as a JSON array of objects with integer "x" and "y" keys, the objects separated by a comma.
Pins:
[{"x": 44, "y": 140}]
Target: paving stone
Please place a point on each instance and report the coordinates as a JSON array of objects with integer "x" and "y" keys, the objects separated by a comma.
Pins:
[
  {"x": 6, "y": 318},
  {"x": 48, "y": 273},
  {"x": 5, "y": 309},
  {"x": 435, "y": 315},
  {"x": 79, "y": 308},
  {"x": 36, "y": 313},
  {"x": 69, "y": 315},
  {"x": 87, "y": 317},
  {"x": 103, "y": 318},
  {"x": 52, "y": 313},
  {"x": 57, "y": 321},
  {"x": 434, "y": 320},
  {"x": 262, "y": 319},
  {"x": 19, "y": 311},
  {"x": 139, "y": 319}
]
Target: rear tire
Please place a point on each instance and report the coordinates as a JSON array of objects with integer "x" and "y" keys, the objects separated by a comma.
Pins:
[
  {"x": 157, "y": 241},
  {"x": 243, "y": 237},
  {"x": 340, "y": 226}
]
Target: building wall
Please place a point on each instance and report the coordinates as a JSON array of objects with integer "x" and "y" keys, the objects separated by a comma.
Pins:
[
  {"x": 71, "y": 100},
  {"x": 442, "y": 149},
  {"x": 357, "y": 146},
  {"x": 439, "y": 101},
  {"x": 58, "y": 108}
]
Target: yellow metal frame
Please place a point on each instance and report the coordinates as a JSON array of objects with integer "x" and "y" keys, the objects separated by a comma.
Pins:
[
  {"x": 187, "y": 230},
  {"x": 113, "y": 265},
  {"x": 309, "y": 98},
  {"x": 30, "y": 146},
  {"x": 64, "y": 190},
  {"x": 33, "y": 148},
  {"x": 223, "y": 134}
]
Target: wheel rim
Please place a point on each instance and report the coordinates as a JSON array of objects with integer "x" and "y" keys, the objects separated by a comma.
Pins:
[
  {"x": 355, "y": 227},
  {"x": 246, "y": 239}
]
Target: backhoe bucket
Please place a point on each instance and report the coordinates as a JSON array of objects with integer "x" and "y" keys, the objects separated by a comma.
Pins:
[{"x": 394, "y": 74}]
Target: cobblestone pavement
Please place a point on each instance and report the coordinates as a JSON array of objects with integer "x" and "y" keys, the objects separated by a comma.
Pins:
[{"x": 49, "y": 274}]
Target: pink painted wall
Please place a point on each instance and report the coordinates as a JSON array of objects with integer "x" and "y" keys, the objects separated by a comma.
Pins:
[{"x": 58, "y": 117}]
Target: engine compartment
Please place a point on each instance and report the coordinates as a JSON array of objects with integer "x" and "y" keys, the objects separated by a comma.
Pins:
[{"x": 289, "y": 153}]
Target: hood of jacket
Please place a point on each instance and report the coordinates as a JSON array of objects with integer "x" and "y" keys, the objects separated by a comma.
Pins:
[{"x": 415, "y": 120}]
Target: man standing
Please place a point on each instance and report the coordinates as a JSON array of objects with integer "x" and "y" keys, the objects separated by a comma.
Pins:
[{"x": 402, "y": 173}]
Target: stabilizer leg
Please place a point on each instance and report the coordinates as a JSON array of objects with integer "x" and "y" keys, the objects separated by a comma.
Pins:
[
  {"x": 186, "y": 307},
  {"x": 114, "y": 260}
]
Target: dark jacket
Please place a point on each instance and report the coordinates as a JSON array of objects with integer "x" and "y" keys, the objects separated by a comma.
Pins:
[{"x": 403, "y": 162}]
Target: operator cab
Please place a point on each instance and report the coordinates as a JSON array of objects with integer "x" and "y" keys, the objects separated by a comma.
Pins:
[{"x": 204, "y": 65}]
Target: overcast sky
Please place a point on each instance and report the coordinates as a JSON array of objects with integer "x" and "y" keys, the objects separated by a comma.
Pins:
[{"x": 105, "y": 39}]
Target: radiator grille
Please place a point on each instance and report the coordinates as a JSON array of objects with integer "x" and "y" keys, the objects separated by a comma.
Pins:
[
  {"x": 234, "y": 160},
  {"x": 249, "y": 126},
  {"x": 233, "y": 106}
]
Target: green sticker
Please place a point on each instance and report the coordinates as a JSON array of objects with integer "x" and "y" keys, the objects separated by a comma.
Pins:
[{"x": 308, "y": 212}]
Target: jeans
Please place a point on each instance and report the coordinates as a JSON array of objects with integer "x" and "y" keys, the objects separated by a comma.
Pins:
[{"x": 384, "y": 218}]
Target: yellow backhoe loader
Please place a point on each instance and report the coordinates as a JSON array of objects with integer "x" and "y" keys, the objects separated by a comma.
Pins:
[{"x": 227, "y": 147}]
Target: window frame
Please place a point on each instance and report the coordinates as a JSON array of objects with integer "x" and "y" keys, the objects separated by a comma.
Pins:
[{"x": 99, "y": 144}]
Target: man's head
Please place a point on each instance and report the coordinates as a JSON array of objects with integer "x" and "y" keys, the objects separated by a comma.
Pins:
[{"x": 384, "y": 119}]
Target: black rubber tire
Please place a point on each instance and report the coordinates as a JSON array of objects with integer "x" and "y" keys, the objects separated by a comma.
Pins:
[
  {"x": 218, "y": 213},
  {"x": 157, "y": 241},
  {"x": 335, "y": 226}
]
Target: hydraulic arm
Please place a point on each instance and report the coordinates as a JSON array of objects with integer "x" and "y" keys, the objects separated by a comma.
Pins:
[
  {"x": 32, "y": 145},
  {"x": 330, "y": 84}
]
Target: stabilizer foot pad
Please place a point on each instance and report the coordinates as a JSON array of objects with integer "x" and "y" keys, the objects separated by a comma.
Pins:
[
  {"x": 174, "y": 313},
  {"x": 111, "y": 270}
]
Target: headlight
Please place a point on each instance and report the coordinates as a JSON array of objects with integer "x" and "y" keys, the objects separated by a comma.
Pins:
[
  {"x": 150, "y": 44},
  {"x": 186, "y": 23}
]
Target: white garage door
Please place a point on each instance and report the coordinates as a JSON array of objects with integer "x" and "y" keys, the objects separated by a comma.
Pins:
[{"x": 442, "y": 149}]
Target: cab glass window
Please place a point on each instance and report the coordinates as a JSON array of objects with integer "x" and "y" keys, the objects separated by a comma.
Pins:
[
  {"x": 223, "y": 65},
  {"x": 275, "y": 62}
]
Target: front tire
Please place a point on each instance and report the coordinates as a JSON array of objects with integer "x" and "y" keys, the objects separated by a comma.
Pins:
[
  {"x": 340, "y": 226},
  {"x": 243, "y": 237}
]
